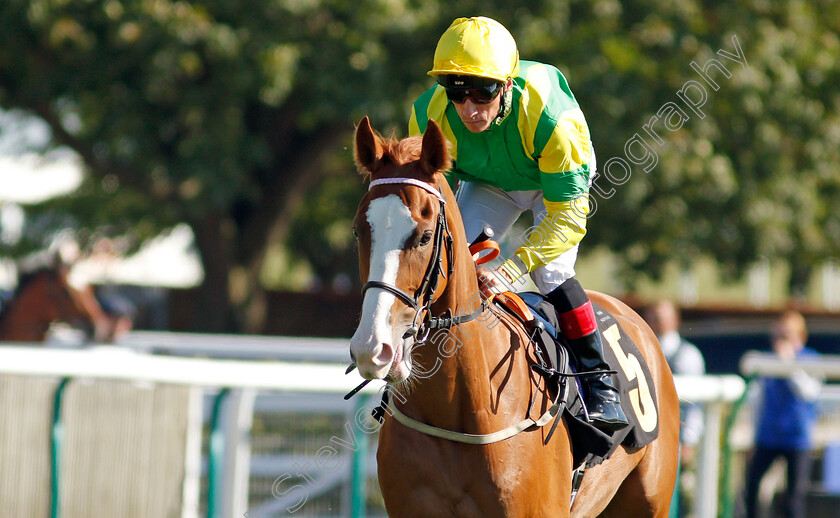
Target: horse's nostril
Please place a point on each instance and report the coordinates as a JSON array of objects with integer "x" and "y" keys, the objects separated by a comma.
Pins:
[{"x": 386, "y": 354}]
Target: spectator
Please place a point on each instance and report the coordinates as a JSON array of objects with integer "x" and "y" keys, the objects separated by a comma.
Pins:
[
  {"x": 786, "y": 415},
  {"x": 684, "y": 358}
]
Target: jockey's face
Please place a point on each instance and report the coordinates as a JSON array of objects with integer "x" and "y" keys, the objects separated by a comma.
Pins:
[{"x": 478, "y": 117}]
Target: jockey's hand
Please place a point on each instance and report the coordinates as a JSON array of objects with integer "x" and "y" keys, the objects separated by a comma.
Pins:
[{"x": 492, "y": 281}]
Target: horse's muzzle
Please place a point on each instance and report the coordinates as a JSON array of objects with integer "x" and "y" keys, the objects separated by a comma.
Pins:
[{"x": 373, "y": 362}]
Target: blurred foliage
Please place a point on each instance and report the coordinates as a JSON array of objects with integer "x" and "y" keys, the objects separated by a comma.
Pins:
[
  {"x": 758, "y": 174},
  {"x": 236, "y": 118}
]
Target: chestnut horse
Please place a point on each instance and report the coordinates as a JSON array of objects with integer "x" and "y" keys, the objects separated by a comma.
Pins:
[
  {"x": 43, "y": 297},
  {"x": 463, "y": 367}
]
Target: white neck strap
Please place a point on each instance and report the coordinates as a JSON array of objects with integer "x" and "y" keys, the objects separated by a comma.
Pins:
[{"x": 409, "y": 181}]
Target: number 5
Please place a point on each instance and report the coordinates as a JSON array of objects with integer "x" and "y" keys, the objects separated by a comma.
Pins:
[{"x": 640, "y": 398}]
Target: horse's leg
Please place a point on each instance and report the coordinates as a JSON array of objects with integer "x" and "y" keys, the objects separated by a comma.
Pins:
[
  {"x": 601, "y": 482},
  {"x": 647, "y": 490}
]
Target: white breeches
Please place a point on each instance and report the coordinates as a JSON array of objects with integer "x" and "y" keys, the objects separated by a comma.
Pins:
[{"x": 482, "y": 205}]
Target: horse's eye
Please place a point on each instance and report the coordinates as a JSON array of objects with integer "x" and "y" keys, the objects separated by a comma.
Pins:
[
  {"x": 355, "y": 234},
  {"x": 426, "y": 239}
]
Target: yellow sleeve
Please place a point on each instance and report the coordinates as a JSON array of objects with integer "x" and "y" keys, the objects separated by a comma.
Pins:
[
  {"x": 562, "y": 228},
  {"x": 413, "y": 126},
  {"x": 568, "y": 147}
]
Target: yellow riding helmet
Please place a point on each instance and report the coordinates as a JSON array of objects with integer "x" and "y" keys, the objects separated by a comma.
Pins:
[{"x": 476, "y": 47}]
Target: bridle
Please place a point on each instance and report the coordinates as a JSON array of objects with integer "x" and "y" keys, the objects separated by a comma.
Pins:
[
  {"x": 421, "y": 302},
  {"x": 423, "y": 323},
  {"x": 424, "y": 296}
]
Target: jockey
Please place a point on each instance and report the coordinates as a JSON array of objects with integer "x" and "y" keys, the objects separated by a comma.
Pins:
[{"x": 520, "y": 141}]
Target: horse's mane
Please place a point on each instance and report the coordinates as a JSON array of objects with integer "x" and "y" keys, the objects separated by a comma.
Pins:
[{"x": 395, "y": 151}]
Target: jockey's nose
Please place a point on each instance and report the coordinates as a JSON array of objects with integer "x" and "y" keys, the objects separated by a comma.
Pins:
[{"x": 470, "y": 105}]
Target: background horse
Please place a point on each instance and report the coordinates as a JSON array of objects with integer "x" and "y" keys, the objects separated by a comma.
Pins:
[
  {"x": 43, "y": 297},
  {"x": 473, "y": 377}
]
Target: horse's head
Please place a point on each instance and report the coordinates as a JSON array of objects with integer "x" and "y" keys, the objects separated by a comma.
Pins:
[
  {"x": 403, "y": 253},
  {"x": 48, "y": 294}
]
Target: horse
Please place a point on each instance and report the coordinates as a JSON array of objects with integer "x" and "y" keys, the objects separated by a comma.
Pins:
[
  {"x": 45, "y": 296},
  {"x": 456, "y": 373}
]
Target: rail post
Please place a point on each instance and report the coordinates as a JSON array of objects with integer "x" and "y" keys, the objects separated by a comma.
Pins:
[{"x": 56, "y": 450}]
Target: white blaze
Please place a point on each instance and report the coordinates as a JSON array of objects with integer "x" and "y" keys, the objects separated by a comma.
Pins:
[{"x": 391, "y": 224}]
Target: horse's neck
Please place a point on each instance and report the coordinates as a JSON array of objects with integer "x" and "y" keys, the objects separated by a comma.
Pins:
[
  {"x": 473, "y": 364},
  {"x": 465, "y": 359},
  {"x": 25, "y": 319}
]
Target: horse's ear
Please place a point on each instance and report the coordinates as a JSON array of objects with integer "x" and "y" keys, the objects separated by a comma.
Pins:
[
  {"x": 434, "y": 156},
  {"x": 368, "y": 148}
]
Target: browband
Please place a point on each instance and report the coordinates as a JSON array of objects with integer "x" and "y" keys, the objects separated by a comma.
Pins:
[{"x": 410, "y": 181}]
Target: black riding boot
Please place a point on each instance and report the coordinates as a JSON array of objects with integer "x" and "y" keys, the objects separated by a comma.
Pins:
[
  {"x": 602, "y": 400},
  {"x": 577, "y": 320}
]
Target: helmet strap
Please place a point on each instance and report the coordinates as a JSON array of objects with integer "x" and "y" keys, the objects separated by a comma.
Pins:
[{"x": 503, "y": 105}]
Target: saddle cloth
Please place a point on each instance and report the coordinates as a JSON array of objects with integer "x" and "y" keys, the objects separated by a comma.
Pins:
[{"x": 633, "y": 380}]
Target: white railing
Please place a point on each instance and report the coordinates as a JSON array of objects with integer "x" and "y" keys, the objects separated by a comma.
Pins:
[
  {"x": 115, "y": 363},
  {"x": 323, "y": 373},
  {"x": 756, "y": 363},
  {"x": 715, "y": 394},
  {"x": 246, "y": 376},
  {"x": 316, "y": 366},
  {"x": 240, "y": 347}
]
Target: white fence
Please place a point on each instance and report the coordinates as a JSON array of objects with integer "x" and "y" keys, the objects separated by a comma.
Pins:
[
  {"x": 239, "y": 398},
  {"x": 230, "y": 394}
]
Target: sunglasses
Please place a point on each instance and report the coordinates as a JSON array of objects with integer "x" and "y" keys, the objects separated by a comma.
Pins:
[
  {"x": 479, "y": 95},
  {"x": 481, "y": 90}
]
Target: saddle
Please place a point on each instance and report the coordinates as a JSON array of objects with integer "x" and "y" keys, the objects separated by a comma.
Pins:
[{"x": 590, "y": 445}]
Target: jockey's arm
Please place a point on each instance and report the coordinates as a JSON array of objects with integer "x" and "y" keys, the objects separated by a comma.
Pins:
[
  {"x": 564, "y": 164},
  {"x": 561, "y": 229}
]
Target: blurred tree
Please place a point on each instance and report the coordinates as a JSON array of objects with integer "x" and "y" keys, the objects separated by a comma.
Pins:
[
  {"x": 236, "y": 117},
  {"x": 224, "y": 115},
  {"x": 754, "y": 171}
]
